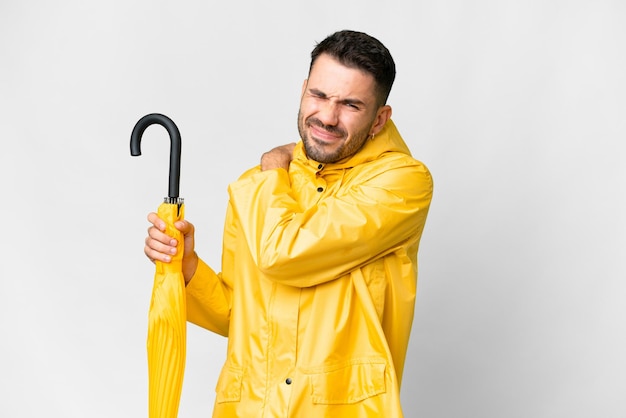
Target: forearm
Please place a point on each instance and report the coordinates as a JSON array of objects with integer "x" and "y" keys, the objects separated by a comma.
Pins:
[
  {"x": 189, "y": 266},
  {"x": 208, "y": 300},
  {"x": 307, "y": 246}
]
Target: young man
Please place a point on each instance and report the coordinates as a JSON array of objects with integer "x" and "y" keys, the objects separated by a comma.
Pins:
[{"x": 319, "y": 263}]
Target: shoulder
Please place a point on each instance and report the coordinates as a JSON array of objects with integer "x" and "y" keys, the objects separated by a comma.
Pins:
[{"x": 394, "y": 167}]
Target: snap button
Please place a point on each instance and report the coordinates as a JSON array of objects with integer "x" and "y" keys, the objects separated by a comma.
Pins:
[
  {"x": 288, "y": 381},
  {"x": 320, "y": 189}
]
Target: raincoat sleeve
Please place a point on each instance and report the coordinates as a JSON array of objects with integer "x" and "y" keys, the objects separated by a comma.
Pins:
[
  {"x": 308, "y": 246},
  {"x": 208, "y": 300}
]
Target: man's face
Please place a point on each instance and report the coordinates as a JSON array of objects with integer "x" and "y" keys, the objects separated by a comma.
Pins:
[{"x": 338, "y": 111}]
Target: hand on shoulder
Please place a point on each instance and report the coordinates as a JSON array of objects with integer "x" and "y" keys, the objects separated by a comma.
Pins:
[{"x": 279, "y": 157}]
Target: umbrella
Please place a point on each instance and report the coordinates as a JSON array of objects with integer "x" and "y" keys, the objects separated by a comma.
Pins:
[{"x": 167, "y": 316}]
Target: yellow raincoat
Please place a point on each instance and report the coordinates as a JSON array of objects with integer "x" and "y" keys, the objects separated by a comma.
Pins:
[{"x": 318, "y": 284}]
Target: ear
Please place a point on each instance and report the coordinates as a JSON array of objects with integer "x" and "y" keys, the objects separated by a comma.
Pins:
[{"x": 383, "y": 114}]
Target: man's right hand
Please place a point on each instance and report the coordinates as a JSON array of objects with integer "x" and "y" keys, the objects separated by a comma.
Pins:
[
  {"x": 160, "y": 246},
  {"x": 279, "y": 157}
]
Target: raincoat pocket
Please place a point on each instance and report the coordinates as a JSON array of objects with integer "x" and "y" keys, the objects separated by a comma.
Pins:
[
  {"x": 349, "y": 382},
  {"x": 228, "y": 387}
]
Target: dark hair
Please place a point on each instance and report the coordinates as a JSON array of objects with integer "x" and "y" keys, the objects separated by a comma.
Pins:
[{"x": 361, "y": 51}]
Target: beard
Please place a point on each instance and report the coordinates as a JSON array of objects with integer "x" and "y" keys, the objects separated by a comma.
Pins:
[{"x": 317, "y": 152}]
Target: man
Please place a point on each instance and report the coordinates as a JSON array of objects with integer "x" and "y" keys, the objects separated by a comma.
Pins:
[{"x": 319, "y": 263}]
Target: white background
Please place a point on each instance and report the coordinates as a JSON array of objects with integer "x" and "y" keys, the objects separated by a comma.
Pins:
[{"x": 517, "y": 107}]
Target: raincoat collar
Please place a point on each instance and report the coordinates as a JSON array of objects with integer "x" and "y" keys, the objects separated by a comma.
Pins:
[{"x": 388, "y": 139}]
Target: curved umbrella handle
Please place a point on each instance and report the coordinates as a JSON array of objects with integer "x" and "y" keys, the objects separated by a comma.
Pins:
[{"x": 175, "y": 146}]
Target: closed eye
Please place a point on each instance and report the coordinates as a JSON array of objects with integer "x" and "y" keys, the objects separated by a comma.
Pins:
[{"x": 353, "y": 104}]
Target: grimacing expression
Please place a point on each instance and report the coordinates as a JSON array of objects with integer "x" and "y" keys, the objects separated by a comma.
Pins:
[{"x": 338, "y": 110}]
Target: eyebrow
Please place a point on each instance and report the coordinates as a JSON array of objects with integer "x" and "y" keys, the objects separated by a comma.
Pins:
[{"x": 348, "y": 100}]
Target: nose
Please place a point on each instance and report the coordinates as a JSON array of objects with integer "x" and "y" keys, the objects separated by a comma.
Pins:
[{"x": 328, "y": 113}]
